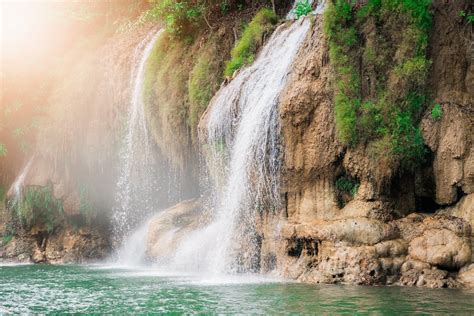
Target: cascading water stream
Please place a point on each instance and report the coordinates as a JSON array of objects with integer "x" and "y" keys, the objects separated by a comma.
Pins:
[
  {"x": 137, "y": 182},
  {"x": 253, "y": 144},
  {"x": 16, "y": 189},
  {"x": 243, "y": 135}
]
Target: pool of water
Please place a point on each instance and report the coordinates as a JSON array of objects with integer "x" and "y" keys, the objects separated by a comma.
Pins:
[{"x": 101, "y": 289}]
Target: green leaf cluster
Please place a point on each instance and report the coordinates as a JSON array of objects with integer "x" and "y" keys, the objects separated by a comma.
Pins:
[
  {"x": 302, "y": 8},
  {"x": 183, "y": 18},
  {"x": 347, "y": 185}
]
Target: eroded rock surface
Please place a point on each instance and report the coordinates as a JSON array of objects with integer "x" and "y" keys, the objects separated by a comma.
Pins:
[
  {"x": 407, "y": 228},
  {"x": 170, "y": 226},
  {"x": 69, "y": 245}
]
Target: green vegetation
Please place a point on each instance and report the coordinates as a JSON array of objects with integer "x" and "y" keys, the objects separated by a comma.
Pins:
[
  {"x": 86, "y": 208},
  {"x": 38, "y": 206},
  {"x": 166, "y": 93},
  {"x": 184, "y": 18},
  {"x": 437, "y": 112},
  {"x": 3, "y": 192},
  {"x": 382, "y": 105},
  {"x": 188, "y": 64},
  {"x": 347, "y": 185},
  {"x": 6, "y": 239},
  {"x": 180, "y": 17},
  {"x": 3, "y": 150},
  {"x": 245, "y": 49},
  {"x": 302, "y": 8},
  {"x": 202, "y": 83},
  {"x": 182, "y": 74},
  {"x": 468, "y": 16}
]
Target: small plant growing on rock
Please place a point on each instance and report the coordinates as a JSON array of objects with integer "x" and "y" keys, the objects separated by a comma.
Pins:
[
  {"x": 246, "y": 47},
  {"x": 303, "y": 8},
  {"x": 347, "y": 185},
  {"x": 346, "y": 188},
  {"x": 436, "y": 112},
  {"x": 468, "y": 16}
]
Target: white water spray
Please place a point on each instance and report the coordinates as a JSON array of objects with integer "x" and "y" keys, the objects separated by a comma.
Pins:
[
  {"x": 16, "y": 190},
  {"x": 136, "y": 184},
  {"x": 243, "y": 134}
]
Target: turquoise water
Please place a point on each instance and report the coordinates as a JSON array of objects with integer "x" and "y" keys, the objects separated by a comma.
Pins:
[{"x": 96, "y": 289}]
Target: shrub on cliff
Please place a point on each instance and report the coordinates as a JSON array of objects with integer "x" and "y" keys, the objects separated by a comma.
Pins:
[
  {"x": 246, "y": 47},
  {"x": 437, "y": 112},
  {"x": 37, "y": 206},
  {"x": 380, "y": 101},
  {"x": 184, "y": 17}
]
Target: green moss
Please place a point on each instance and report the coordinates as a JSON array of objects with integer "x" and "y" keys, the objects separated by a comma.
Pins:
[
  {"x": 246, "y": 47},
  {"x": 180, "y": 80},
  {"x": 203, "y": 83},
  {"x": 436, "y": 112},
  {"x": 165, "y": 88},
  {"x": 413, "y": 70},
  {"x": 389, "y": 115}
]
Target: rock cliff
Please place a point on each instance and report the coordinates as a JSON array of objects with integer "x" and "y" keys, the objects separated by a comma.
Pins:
[{"x": 391, "y": 230}]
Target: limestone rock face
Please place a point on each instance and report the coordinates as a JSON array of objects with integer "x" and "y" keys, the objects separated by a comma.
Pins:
[
  {"x": 69, "y": 245},
  {"x": 441, "y": 248},
  {"x": 417, "y": 250},
  {"x": 452, "y": 82},
  {"x": 466, "y": 276},
  {"x": 464, "y": 209},
  {"x": 451, "y": 139},
  {"x": 407, "y": 228}
]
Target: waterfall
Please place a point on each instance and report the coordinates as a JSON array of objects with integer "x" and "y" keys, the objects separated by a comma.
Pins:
[
  {"x": 137, "y": 183},
  {"x": 20, "y": 180},
  {"x": 243, "y": 136},
  {"x": 16, "y": 190}
]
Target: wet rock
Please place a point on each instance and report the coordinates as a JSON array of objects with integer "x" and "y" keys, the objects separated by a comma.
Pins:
[
  {"x": 432, "y": 278},
  {"x": 463, "y": 209},
  {"x": 466, "y": 276},
  {"x": 38, "y": 256},
  {"x": 411, "y": 226},
  {"x": 67, "y": 245},
  {"x": 168, "y": 227},
  {"x": 439, "y": 246}
]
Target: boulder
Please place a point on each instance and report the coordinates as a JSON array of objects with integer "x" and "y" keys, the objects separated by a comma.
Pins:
[
  {"x": 442, "y": 248},
  {"x": 466, "y": 276}
]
